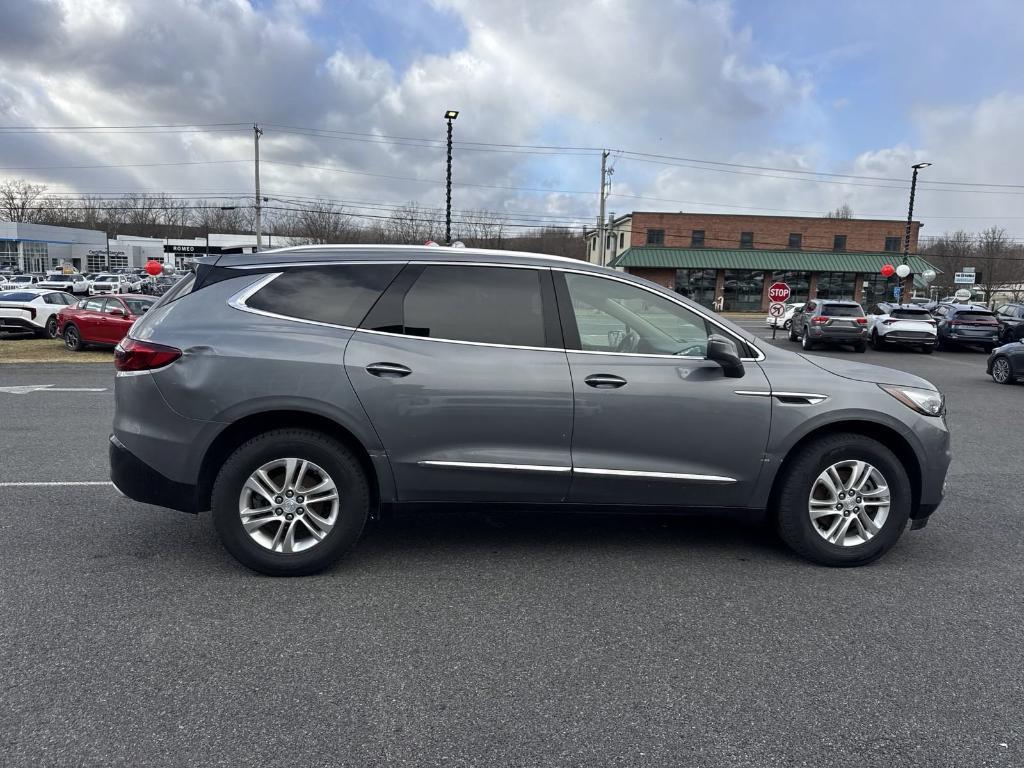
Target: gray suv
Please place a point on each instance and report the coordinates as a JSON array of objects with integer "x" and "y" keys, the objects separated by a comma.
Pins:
[
  {"x": 299, "y": 392},
  {"x": 824, "y": 321}
]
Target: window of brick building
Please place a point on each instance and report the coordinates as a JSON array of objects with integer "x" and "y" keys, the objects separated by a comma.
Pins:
[
  {"x": 796, "y": 240},
  {"x": 839, "y": 243},
  {"x": 655, "y": 236},
  {"x": 746, "y": 239},
  {"x": 622, "y": 238},
  {"x": 892, "y": 243},
  {"x": 697, "y": 238}
]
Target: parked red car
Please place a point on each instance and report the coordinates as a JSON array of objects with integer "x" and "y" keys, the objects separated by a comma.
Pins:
[{"x": 100, "y": 319}]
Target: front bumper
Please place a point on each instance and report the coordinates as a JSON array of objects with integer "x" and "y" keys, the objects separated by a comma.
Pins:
[{"x": 139, "y": 481}]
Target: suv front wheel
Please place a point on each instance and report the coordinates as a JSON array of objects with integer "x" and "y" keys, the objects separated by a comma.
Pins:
[
  {"x": 844, "y": 500},
  {"x": 290, "y": 502}
]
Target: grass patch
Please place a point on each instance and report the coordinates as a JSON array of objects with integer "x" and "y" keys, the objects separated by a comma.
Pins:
[{"x": 31, "y": 350}]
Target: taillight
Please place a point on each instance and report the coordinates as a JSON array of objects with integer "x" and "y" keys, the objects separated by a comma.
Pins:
[
  {"x": 862, "y": 321},
  {"x": 32, "y": 313},
  {"x": 820, "y": 320},
  {"x": 133, "y": 355}
]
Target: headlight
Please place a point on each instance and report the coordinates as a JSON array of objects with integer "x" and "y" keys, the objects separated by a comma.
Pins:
[{"x": 926, "y": 401}]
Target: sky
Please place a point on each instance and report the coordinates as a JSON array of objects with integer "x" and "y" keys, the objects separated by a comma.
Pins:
[{"x": 745, "y": 106}]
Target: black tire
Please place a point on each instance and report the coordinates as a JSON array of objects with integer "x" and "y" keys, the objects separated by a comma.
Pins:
[
  {"x": 860, "y": 346},
  {"x": 337, "y": 460},
  {"x": 876, "y": 342},
  {"x": 793, "y": 520},
  {"x": 805, "y": 342},
  {"x": 792, "y": 333},
  {"x": 787, "y": 325},
  {"x": 73, "y": 338},
  {"x": 1002, "y": 370},
  {"x": 51, "y": 327}
]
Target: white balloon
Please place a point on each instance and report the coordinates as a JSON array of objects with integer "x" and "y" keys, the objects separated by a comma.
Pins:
[
  {"x": 928, "y": 275},
  {"x": 167, "y": 269},
  {"x": 903, "y": 270}
]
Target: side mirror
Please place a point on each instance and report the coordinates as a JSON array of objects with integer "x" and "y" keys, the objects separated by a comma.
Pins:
[
  {"x": 724, "y": 352},
  {"x": 116, "y": 312}
]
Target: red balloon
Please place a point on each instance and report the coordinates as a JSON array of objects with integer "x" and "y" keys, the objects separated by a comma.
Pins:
[
  {"x": 154, "y": 268},
  {"x": 888, "y": 270}
]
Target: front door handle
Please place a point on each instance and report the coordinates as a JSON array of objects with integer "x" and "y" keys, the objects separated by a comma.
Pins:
[
  {"x": 388, "y": 370},
  {"x": 605, "y": 381}
]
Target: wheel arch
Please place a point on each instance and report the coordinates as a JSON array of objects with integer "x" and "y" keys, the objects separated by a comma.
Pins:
[
  {"x": 254, "y": 424},
  {"x": 887, "y": 436}
]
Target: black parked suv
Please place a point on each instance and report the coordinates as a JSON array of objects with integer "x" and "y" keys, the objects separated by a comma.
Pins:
[
  {"x": 965, "y": 324},
  {"x": 823, "y": 321},
  {"x": 1011, "y": 322}
]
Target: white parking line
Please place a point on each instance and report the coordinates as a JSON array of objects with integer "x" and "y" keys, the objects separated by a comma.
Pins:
[{"x": 57, "y": 483}]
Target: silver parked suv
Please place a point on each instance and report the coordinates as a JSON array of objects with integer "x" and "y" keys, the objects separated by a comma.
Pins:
[{"x": 298, "y": 392}]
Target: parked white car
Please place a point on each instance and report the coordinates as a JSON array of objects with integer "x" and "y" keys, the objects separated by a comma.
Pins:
[
  {"x": 908, "y": 325},
  {"x": 33, "y": 310},
  {"x": 22, "y": 281},
  {"x": 110, "y": 283},
  {"x": 787, "y": 319},
  {"x": 74, "y": 283}
]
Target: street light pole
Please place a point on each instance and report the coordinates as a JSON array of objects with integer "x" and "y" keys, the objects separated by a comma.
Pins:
[
  {"x": 449, "y": 115},
  {"x": 910, "y": 222}
]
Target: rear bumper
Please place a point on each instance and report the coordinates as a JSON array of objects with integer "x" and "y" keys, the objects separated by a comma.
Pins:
[
  {"x": 139, "y": 481},
  {"x": 18, "y": 324}
]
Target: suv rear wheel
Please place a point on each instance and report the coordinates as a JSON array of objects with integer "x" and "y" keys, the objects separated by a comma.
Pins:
[
  {"x": 290, "y": 502},
  {"x": 844, "y": 500}
]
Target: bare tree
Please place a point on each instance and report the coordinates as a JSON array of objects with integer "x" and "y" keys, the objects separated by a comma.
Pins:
[
  {"x": 318, "y": 222},
  {"x": 844, "y": 211},
  {"x": 411, "y": 224},
  {"x": 997, "y": 266},
  {"x": 21, "y": 200}
]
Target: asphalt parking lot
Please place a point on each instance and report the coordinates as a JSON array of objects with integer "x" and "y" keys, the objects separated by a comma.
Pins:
[{"x": 129, "y": 637}]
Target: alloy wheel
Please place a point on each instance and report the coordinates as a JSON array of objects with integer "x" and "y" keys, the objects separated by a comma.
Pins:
[
  {"x": 289, "y": 505},
  {"x": 849, "y": 503},
  {"x": 1001, "y": 370}
]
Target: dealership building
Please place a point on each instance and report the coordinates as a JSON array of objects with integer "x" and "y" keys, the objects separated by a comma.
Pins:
[
  {"x": 736, "y": 258},
  {"x": 38, "y": 248}
]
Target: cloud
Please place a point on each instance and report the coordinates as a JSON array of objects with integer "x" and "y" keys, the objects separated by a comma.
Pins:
[{"x": 682, "y": 79}]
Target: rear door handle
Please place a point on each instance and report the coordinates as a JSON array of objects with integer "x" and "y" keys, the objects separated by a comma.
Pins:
[
  {"x": 388, "y": 370},
  {"x": 605, "y": 381}
]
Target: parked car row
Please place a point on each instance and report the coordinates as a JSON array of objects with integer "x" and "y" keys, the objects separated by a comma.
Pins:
[
  {"x": 100, "y": 320},
  {"x": 33, "y": 310},
  {"x": 912, "y": 325}
]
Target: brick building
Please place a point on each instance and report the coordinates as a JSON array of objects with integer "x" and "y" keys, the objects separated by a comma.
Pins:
[{"x": 736, "y": 258}]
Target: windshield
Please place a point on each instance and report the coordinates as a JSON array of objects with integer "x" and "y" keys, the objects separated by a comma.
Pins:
[
  {"x": 106, "y": 279},
  {"x": 138, "y": 306},
  {"x": 842, "y": 310},
  {"x": 21, "y": 279}
]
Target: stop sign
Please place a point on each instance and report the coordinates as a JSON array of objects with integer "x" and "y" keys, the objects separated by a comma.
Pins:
[{"x": 778, "y": 292}]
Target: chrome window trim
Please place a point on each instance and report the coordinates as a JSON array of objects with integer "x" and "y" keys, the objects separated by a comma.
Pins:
[
  {"x": 489, "y": 465},
  {"x": 708, "y": 318},
  {"x": 718, "y": 479},
  {"x": 284, "y": 264},
  {"x": 238, "y": 301},
  {"x": 752, "y": 392}
]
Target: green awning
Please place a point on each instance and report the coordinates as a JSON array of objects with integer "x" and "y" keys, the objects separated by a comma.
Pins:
[{"x": 762, "y": 259}]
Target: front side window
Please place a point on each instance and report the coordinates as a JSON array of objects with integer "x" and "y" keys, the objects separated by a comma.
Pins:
[
  {"x": 336, "y": 294},
  {"x": 612, "y": 316},
  {"x": 485, "y": 305},
  {"x": 93, "y": 305}
]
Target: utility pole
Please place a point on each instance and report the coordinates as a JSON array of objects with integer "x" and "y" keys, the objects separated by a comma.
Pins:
[
  {"x": 256, "y": 133},
  {"x": 907, "y": 281},
  {"x": 600, "y": 216}
]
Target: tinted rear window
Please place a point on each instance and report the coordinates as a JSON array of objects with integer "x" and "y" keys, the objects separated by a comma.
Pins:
[
  {"x": 339, "y": 294},
  {"x": 491, "y": 305},
  {"x": 842, "y": 310},
  {"x": 17, "y": 296},
  {"x": 910, "y": 314},
  {"x": 976, "y": 317}
]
